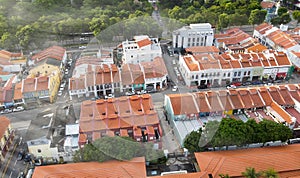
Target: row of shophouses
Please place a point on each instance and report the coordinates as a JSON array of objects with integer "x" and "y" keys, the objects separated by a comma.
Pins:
[
  {"x": 141, "y": 67},
  {"x": 280, "y": 104},
  {"x": 227, "y": 68},
  {"x": 36, "y": 81},
  {"x": 270, "y": 54}
]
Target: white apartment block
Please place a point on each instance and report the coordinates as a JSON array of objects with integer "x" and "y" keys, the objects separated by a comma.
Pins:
[
  {"x": 201, "y": 34},
  {"x": 140, "y": 49}
]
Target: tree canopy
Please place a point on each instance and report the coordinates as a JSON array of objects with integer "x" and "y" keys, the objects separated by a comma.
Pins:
[
  {"x": 117, "y": 148},
  {"x": 235, "y": 132}
]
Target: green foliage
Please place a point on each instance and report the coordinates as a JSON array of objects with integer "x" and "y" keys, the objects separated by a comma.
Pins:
[
  {"x": 224, "y": 176},
  {"x": 257, "y": 16},
  {"x": 236, "y": 132},
  {"x": 118, "y": 148},
  {"x": 251, "y": 173},
  {"x": 296, "y": 15},
  {"x": 281, "y": 11},
  {"x": 270, "y": 173},
  {"x": 191, "y": 142}
]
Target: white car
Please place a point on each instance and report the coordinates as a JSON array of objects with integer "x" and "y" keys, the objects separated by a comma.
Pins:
[
  {"x": 19, "y": 108},
  {"x": 82, "y": 47},
  {"x": 175, "y": 88},
  {"x": 59, "y": 93}
]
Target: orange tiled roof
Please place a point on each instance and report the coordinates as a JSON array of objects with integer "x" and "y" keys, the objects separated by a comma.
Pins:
[
  {"x": 179, "y": 104},
  {"x": 134, "y": 168},
  {"x": 276, "y": 95},
  {"x": 214, "y": 102},
  {"x": 282, "y": 39},
  {"x": 267, "y": 4},
  {"x": 282, "y": 158},
  {"x": 143, "y": 42},
  {"x": 265, "y": 96},
  {"x": 117, "y": 113},
  {"x": 202, "y": 49},
  {"x": 42, "y": 83},
  {"x": 286, "y": 116},
  {"x": 286, "y": 95},
  {"x": 262, "y": 28},
  {"x": 202, "y": 102},
  {"x": 28, "y": 85},
  {"x": 257, "y": 100},
  {"x": 17, "y": 91},
  {"x": 246, "y": 98},
  {"x": 5, "y": 122},
  {"x": 192, "y": 64},
  {"x": 257, "y": 48},
  {"x": 55, "y": 52},
  {"x": 155, "y": 68},
  {"x": 235, "y": 99}
]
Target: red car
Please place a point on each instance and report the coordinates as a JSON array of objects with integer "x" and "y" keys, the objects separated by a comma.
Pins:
[{"x": 236, "y": 84}]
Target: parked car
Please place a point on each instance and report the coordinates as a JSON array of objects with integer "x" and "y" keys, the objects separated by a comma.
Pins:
[
  {"x": 246, "y": 83},
  {"x": 27, "y": 157},
  {"x": 129, "y": 93},
  {"x": 202, "y": 87},
  {"x": 5, "y": 111},
  {"x": 175, "y": 88},
  {"x": 20, "y": 155},
  {"x": 21, "y": 175},
  {"x": 236, "y": 84},
  {"x": 109, "y": 96},
  {"x": 231, "y": 87},
  {"x": 59, "y": 93},
  {"x": 257, "y": 82},
  {"x": 82, "y": 47},
  {"x": 19, "y": 108}
]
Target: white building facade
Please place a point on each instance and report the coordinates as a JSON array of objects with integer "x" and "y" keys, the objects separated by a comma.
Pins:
[
  {"x": 217, "y": 71},
  {"x": 140, "y": 49},
  {"x": 201, "y": 34}
]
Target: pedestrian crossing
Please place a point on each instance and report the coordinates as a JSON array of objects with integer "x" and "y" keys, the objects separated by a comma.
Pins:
[{"x": 21, "y": 125}]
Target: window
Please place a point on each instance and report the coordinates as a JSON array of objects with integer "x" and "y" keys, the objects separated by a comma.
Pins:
[
  {"x": 239, "y": 74},
  {"x": 39, "y": 150},
  {"x": 196, "y": 76},
  {"x": 235, "y": 73},
  {"x": 228, "y": 75},
  {"x": 245, "y": 73},
  {"x": 248, "y": 72},
  {"x": 224, "y": 75}
]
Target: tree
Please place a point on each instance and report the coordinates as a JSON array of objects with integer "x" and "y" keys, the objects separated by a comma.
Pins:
[
  {"x": 270, "y": 173},
  {"x": 118, "y": 148},
  {"x": 251, "y": 173},
  {"x": 223, "y": 21},
  {"x": 285, "y": 18},
  {"x": 257, "y": 16},
  {"x": 191, "y": 141},
  {"x": 281, "y": 11},
  {"x": 296, "y": 15}
]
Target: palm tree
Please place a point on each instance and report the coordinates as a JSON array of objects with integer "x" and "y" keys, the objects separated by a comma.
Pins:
[
  {"x": 270, "y": 173},
  {"x": 251, "y": 173}
]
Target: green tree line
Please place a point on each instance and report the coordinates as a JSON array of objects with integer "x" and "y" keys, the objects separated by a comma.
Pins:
[
  {"x": 230, "y": 132},
  {"x": 28, "y": 24}
]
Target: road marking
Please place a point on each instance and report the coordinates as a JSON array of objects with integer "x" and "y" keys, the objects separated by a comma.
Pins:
[
  {"x": 22, "y": 125},
  {"x": 10, "y": 174},
  {"x": 15, "y": 163}
]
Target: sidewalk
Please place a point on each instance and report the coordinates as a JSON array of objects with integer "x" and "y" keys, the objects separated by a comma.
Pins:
[{"x": 6, "y": 163}]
